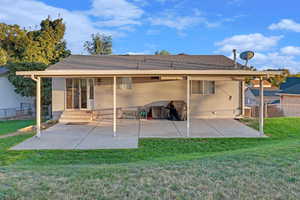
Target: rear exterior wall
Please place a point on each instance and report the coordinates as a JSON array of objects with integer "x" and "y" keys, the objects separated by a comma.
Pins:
[{"x": 225, "y": 103}]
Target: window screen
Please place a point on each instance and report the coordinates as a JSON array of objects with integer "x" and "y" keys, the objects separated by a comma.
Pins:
[
  {"x": 203, "y": 87},
  {"x": 125, "y": 83}
]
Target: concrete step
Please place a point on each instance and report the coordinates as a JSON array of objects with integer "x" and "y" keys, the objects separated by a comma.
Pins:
[
  {"x": 75, "y": 116},
  {"x": 76, "y": 113},
  {"x": 73, "y": 120}
]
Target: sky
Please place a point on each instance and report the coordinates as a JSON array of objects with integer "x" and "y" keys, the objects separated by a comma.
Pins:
[{"x": 270, "y": 28}]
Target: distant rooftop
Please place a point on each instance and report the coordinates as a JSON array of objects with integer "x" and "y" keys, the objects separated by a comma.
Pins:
[
  {"x": 291, "y": 86},
  {"x": 145, "y": 62},
  {"x": 267, "y": 92}
]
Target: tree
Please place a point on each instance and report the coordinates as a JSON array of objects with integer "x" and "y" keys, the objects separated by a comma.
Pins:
[
  {"x": 3, "y": 57},
  {"x": 32, "y": 50},
  {"x": 99, "y": 45},
  {"x": 277, "y": 80},
  {"x": 26, "y": 86},
  {"x": 162, "y": 53},
  {"x": 45, "y": 45}
]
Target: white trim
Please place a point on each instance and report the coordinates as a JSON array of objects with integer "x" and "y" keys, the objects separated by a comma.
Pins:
[{"x": 82, "y": 73}]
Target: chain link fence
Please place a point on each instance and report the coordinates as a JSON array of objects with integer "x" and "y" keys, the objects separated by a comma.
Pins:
[
  {"x": 274, "y": 110},
  {"x": 25, "y": 111}
]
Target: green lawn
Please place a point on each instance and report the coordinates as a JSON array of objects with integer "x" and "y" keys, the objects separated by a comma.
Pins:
[
  {"x": 11, "y": 126},
  {"x": 266, "y": 168}
]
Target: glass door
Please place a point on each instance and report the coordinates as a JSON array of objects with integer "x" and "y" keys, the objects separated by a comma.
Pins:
[
  {"x": 76, "y": 93},
  {"x": 83, "y": 93}
]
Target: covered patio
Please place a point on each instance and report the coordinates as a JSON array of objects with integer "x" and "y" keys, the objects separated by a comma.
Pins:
[
  {"x": 213, "y": 85},
  {"x": 99, "y": 135}
]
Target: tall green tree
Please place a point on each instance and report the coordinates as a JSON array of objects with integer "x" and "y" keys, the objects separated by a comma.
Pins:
[
  {"x": 99, "y": 45},
  {"x": 45, "y": 45},
  {"x": 27, "y": 50},
  {"x": 26, "y": 86},
  {"x": 162, "y": 53}
]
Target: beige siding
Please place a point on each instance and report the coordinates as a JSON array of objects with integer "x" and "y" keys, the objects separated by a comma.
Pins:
[
  {"x": 225, "y": 103},
  {"x": 290, "y": 105},
  {"x": 58, "y": 96}
]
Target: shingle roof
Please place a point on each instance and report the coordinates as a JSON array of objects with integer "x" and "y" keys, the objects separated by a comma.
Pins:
[
  {"x": 145, "y": 62},
  {"x": 295, "y": 89},
  {"x": 267, "y": 93},
  {"x": 291, "y": 86},
  {"x": 290, "y": 81},
  {"x": 3, "y": 70}
]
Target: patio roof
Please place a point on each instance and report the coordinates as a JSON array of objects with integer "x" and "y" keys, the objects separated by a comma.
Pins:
[{"x": 108, "y": 73}]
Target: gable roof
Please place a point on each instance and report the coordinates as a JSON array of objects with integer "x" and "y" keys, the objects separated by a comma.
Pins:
[
  {"x": 145, "y": 62},
  {"x": 3, "y": 70}
]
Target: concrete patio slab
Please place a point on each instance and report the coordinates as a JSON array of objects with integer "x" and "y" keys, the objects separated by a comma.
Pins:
[
  {"x": 100, "y": 135},
  {"x": 94, "y": 136}
]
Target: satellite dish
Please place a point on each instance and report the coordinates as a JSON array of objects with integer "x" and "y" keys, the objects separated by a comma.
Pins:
[{"x": 247, "y": 55}]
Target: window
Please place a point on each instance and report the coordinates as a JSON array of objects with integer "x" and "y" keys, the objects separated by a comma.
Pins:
[
  {"x": 203, "y": 87},
  {"x": 125, "y": 83}
]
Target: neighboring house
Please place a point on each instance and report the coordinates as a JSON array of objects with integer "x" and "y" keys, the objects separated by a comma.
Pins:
[
  {"x": 211, "y": 85},
  {"x": 252, "y": 96},
  {"x": 10, "y": 101},
  {"x": 290, "y": 96}
]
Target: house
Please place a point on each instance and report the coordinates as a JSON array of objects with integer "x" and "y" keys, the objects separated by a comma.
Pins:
[
  {"x": 10, "y": 101},
  {"x": 252, "y": 96},
  {"x": 290, "y": 96},
  {"x": 90, "y": 87}
]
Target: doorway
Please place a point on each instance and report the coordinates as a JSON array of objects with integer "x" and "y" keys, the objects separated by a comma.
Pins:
[{"x": 76, "y": 93}]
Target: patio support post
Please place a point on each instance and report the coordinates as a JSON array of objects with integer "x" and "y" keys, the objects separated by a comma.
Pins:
[
  {"x": 38, "y": 105},
  {"x": 115, "y": 106},
  {"x": 188, "y": 106},
  {"x": 261, "y": 107},
  {"x": 243, "y": 98}
]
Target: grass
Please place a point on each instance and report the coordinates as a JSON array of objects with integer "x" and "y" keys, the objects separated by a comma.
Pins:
[
  {"x": 11, "y": 126},
  {"x": 266, "y": 168}
]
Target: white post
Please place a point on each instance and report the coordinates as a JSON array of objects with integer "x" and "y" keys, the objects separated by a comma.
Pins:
[
  {"x": 261, "y": 112},
  {"x": 38, "y": 106},
  {"x": 115, "y": 106},
  {"x": 188, "y": 106},
  {"x": 243, "y": 98}
]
